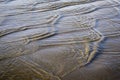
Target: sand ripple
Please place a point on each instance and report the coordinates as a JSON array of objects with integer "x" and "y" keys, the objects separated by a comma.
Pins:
[{"x": 59, "y": 39}]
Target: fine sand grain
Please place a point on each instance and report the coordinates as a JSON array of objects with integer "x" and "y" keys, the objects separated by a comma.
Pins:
[{"x": 59, "y": 39}]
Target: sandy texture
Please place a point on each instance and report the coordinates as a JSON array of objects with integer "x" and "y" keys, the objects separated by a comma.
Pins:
[{"x": 59, "y": 39}]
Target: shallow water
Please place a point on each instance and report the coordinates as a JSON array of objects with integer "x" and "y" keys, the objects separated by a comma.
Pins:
[{"x": 59, "y": 39}]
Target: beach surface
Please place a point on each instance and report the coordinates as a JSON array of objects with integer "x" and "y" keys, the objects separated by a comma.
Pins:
[{"x": 59, "y": 39}]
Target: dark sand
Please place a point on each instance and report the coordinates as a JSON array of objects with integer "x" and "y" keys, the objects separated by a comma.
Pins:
[{"x": 59, "y": 39}]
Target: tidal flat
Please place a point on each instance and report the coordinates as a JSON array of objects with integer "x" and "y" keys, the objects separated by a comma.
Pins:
[{"x": 59, "y": 39}]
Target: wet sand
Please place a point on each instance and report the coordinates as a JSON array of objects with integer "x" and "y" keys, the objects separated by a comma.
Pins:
[{"x": 59, "y": 39}]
